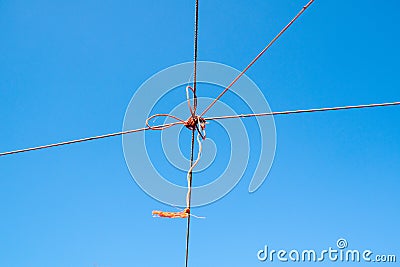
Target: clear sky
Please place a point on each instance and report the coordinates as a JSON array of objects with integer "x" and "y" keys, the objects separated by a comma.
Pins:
[{"x": 68, "y": 69}]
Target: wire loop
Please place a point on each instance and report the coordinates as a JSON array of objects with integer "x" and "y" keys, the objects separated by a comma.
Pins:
[{"x": 165, "y": 126}]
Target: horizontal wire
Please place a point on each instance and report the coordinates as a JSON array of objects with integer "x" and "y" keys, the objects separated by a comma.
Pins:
[
  {"x": 85, "y": 139},
  {"x": 302, "y": 111},
  {"x": 209, "y": 118}
]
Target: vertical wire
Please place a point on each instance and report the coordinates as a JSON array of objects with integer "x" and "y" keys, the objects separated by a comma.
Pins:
[
  {"x": 189, "y": 200},
  {"x": 196, "y": 27}
]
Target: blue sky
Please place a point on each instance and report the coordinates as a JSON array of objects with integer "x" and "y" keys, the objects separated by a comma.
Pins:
[{"x": 69, "y": 69}]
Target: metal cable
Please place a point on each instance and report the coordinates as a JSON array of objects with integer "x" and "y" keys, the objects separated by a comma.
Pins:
[
  {"x": 274, "y": 113},
  {"x": 87, "y": 139},
  {"x": 190, "y": 172},
  {"x": 303, "y": 111}
]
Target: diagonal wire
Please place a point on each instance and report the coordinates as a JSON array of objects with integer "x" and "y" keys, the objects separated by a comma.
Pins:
[
  {"x": 257, "y": 57},
  {"x": 88, "y": 139},
  {"x": 304, "y": 111}
]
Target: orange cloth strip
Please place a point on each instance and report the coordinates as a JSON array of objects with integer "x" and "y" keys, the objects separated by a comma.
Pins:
[{"x": 166, "y": 214}]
